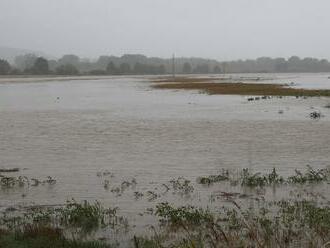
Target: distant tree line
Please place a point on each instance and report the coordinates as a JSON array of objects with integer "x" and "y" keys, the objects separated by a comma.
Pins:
[{"x": 131, "y": 64}]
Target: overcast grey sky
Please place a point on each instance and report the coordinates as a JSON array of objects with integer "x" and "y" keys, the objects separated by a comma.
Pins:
[{"x": 220, "y": 29}]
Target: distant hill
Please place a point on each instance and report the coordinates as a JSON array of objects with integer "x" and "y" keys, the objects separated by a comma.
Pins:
[{"x": 9, "y": 53}]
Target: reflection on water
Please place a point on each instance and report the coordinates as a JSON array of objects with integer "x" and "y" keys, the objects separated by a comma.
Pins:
[{"x": 73, "y": 130}]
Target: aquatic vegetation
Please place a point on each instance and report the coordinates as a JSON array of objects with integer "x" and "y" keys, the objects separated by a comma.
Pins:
[
  {"x": 138, "y": 195},
  {"x": 182, "y": 186},
  {"x": 220, "y": 87},
  {"x": 105, "y": 173},
  {"x": 284, "y": 226},
  {"x": 87, "y": 216},
  {"x": 4, "y": 170},
  {"x": 152, "y": 195},
  {"x": 106, "y": 184},
  {"x": 315, "y": 115},
  {"x": 258, "y": 180},
  {"x": 23, "y": 181},
  {"x": 252, "y": 180},
  {"x": 50, "y": 181},
  {"x": 37, "y": 236},
  {"x": 248, "y": 179},
  {"x": 127, "y": 184},
  {"x": 243, "y": 216},
  {"x": 11, "y": 182},
  {"x": 310, "y": 176},
  {"x": 80, "y": 218},
  {"x": 224, "y": 176},
  {"x": 183, "y": 215},
  {"x": 119, "y": 190}
]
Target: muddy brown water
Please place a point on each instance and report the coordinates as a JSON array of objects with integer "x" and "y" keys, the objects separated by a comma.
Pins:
[{"x": 71, "y": 130}]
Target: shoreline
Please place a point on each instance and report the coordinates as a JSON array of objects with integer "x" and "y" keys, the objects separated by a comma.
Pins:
[{"x": 49, "y": 78}]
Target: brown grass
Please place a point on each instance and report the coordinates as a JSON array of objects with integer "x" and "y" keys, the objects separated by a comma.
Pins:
[
  {"x": 185, "y": 80},
  {"x": 207, "y": 85}
]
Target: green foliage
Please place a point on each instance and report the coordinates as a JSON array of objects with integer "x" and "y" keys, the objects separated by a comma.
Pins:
[
  {"x": 224, "y": 176},
  {"x": 182, "y": 186},
  {"x": 67, "y": 69},
  {"x": 258, "y": 180},
  {"x": 186, "y": 68},
  {"x": 87, "y": 216},
  {"x": 187, "y": 215},
  {"x": 311, "y": 176},
  {"x": 40, "y": 67},
  {"x": 40, "y": 237},
  {"x": 111, "y": 68},
  {"x": 125, "y": 69},
  {"x": 5, "y": 67}
]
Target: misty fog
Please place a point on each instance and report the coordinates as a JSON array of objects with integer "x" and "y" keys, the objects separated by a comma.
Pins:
[{"x": 218, "y": 29}]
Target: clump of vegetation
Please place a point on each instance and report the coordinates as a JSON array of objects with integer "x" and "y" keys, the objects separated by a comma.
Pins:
[
  {"x": 119, "y": 190},
  {"x": 38, "y": 236},
  {"x": 290, "y": 223},
  {"x": 22, "y": 181},
  {"x": 310, "y": 176},
  {"x": 224, "y": 176},
  {"x": 187, "y": 215},
  {"x": 4, "y": 170},
  {"x": 87, "y": 216},
  {"x": 248, "y": 179},
  {"x": 11, "y": 182},
  {"x": 252, "y": 221},
  {"x": 105, "y": 173},
  {"x": 81, "y": 218},
  {"x": 237, "y": 88},
  {"x": 256, "y": 179},
  {"x": 315, "y": 115},
  {"x": 182, "y": 186}
]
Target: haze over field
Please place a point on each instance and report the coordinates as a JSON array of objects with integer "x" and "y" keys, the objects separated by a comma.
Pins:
[{"x": 219, "y": 29}]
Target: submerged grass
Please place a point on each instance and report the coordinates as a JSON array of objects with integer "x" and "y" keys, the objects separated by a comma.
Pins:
[
  {"x": 249, "y": 179},
  {"x": 290, "y": 224},
  {"x": 298, "y": 221},
  {"x": 209, "y": 86},
  {"x": 35, "y": 236},
  {"x": 4, "y": 170}
]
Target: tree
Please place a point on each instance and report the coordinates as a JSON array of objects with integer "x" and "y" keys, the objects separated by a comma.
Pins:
[
  {"x": 111, "y": 68},
  {"x": 25, "y": 62},
  {"x": 40, "y": 66},
  {"x": 5, "y": 67},
  {"x": 125, "y": 68},
  {"x": 67, "y": 69},
  {"x": 202, "y": 69},
  {"x": 139, "y": 68},
  {"x": 69, "y": 59},
  {"x": 161, "y": 69},
  {"x": 281, "y": 65},
  {"x": 186, "y": 68},
  {"x": 216, "y": 69}
]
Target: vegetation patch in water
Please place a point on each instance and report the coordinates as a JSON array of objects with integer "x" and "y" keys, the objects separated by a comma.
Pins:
[
  {"x": 245, "y": 218},
  {"x": 224, "y": 176},
  {"x": 36, "y": 236},
  {"x": 249, "y": 179},
  {"x": 218, "y": 87},
  {"x": 4, "y": 170}
]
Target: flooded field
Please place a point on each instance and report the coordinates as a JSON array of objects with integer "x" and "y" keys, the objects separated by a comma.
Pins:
[{"x": 93, "y": 135}]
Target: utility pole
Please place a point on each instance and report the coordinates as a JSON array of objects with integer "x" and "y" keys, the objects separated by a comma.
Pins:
[{"x": 173, "y": 65}]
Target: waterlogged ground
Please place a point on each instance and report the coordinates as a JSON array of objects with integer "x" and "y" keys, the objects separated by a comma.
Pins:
[{"x": 92, "y": 135}]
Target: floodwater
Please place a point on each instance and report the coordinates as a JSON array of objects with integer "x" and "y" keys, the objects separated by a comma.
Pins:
[{"x": 71, "y": 130}]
